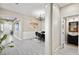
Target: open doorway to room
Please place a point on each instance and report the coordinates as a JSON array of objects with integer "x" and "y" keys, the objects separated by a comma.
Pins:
[
  {"x": 70, "y": 28},
  {"x": 70, "y": 36},
  {"x": 71, "y": 33}
]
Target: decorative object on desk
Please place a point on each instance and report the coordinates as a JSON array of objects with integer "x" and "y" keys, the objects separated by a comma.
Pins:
[{"x": 73, "y": 26}]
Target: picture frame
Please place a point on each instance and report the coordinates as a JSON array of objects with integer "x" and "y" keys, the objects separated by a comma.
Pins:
[{"x": 73, "y": 26}]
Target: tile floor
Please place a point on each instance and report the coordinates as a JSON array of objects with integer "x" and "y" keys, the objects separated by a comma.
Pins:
[
  {"x": 35, "y": 47},
  {"x": 25, "y": 47},
  {"x": 68, "y": 50}
]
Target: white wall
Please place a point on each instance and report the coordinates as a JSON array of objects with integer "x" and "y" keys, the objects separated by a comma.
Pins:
[
  {"x": 29, "y": 27},
  {"x": 55, "y": 27},
  {"x": 24, "y": 22},
  {"x": 29, "y": 30}
]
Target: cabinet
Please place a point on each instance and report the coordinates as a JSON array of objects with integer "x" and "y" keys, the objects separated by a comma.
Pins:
[{"x": 72, "y": 39}]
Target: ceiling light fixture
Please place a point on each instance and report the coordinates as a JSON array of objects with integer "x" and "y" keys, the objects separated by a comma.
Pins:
[{"x": 40, "y": 14}]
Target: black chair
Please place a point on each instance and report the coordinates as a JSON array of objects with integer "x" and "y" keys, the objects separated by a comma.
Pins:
[
  {"x": 42, "y": 31},
  {"x": 36, "y": 33},
  {"x": 43, "y": 37},
  {"x": 40, "y": 36}
]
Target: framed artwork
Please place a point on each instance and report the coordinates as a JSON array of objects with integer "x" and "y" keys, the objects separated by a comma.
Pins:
[{"x": 73, "y": 26}]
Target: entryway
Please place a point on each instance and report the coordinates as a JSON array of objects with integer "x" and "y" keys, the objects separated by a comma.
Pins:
[{"x": 69, "y": 35}]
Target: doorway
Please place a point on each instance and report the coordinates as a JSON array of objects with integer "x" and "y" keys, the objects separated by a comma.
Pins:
[
  {"x": 71, "y": 30},
  {"x": 71, "y": 34}
]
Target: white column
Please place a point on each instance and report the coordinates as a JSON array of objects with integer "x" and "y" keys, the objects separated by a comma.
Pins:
[
  {"x": 55, "y": 28},
  {"x": 48, "y": 30}
]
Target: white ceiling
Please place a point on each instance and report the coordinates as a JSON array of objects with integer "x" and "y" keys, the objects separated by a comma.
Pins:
[
  {"x": 29, "y": 9},
  {"x": 63, "y": 4}
]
